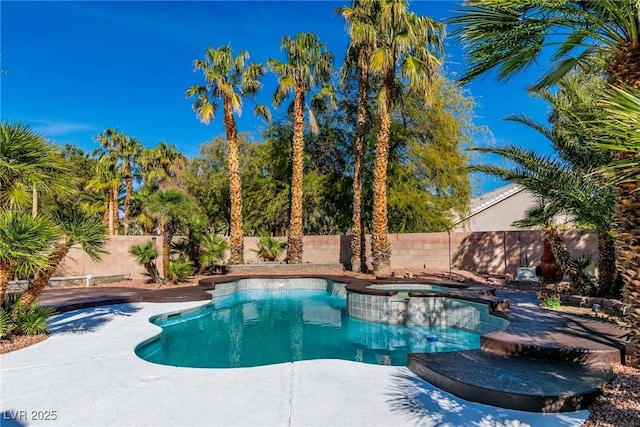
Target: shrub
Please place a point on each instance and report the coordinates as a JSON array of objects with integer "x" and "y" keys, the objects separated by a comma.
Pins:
[
  {"x": 552, "y": 302},
  {"x": 179, "y": 269},
  {"x": 213, "y": 248},
  {"x": 269, "y": 248},
  {"x": 33, "y": 320}
]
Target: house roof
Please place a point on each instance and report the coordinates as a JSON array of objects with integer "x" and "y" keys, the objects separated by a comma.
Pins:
[{"x": 486, "y": 200}]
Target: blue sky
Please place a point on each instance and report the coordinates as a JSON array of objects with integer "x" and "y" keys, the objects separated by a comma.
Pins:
[{"x": 72, "y": 69}]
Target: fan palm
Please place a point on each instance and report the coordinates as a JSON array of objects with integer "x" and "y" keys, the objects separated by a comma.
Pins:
[
  {"x": 28, "y": 164},
  {"x": 129, "y": 151},
  {"x": 146, "y": 254},
  {"x": 230, "y": 79},
  {"x": 407, "y": 47},
  {"x": 77, "y": 229},
  {"x": 25, "y": 243},
  {"x": 161, "y": 165},
  {"x": 169, "y": 207},
  {"x": 361, "y": 19},
  {"x": 309, "y": 66}
]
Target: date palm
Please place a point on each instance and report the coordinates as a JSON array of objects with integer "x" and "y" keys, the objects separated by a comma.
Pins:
[
  {"x": 169, "y": 207},
  {"x": 407, "y": 48},
  {"x": 26, "y": 243},
  {"x": 77, "y": 229},
  {"x": 512, "y": 35},
  {"x": 309, "y": 66},
  {"x": 29, "y": 164},
  {"x": 229, "y": 79},
  {"x": 361, "y": 20}
]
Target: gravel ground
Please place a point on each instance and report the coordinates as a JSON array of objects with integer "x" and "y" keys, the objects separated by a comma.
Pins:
[{"x": 618, "y": 406}]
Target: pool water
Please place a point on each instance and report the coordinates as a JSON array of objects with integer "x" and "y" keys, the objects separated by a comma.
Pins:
[{"x": 263, "y": 327}]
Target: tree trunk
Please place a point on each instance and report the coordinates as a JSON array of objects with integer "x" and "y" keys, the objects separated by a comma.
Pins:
[
  {"x": 115, "y": 207},
  {"x": 34, "y": 202},
  {"x": 6, "y": 271},
  {"x": 607, "y": 271},
  {"x": 358, "y": 250},
  {"x": 110, "y": 213},
  {"x": 127, "y": 196},
  {"x": 42, "y": 277},
  {"x": 625, "y": 70},
  {"x": 166, "y": 249},
  {"x": 380, "y": 247},
  {"x": 563, "y": 257},
  {"x": 236, "y": 235},
  {"x": 294, "y": 248}
]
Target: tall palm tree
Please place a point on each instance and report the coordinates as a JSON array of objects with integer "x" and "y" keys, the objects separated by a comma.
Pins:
[
  {"x": 29, "y": 164},
  {"x": 107, "y": 181},
  {"x": 25, "y": 243},
  {"x": 129, "y": 151},
  {"x": 510, "y": 36},
  {"x": 406, "y": 55},
  {"x": 309, "y": 66},
  {"x": 77, "y": 229},
  {"x": 169, "y": 207},
  {"x": 110, "y": 171},
  {"x": 361, "y": 18},
  {"x": 229, "y": 79}
]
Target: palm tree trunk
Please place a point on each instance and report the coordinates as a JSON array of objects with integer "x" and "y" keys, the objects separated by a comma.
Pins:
[
  {"x": 110, "y": 213},
  {"x": 166, "y": 249},
  {"x": 358, "y": 252},
  {"x": 115, "y": 207},
  {"x": 380, "y": 247},
  {"x": 127, "y": 196},
  {"x": 294, "y": 248},
  {"x": 563, "y": 257},
  {"x": 607, "y": 271},
  {"x": 625, "y": 70},
  {"x": 42, "y": 277},
  {"x": 236, "y": 235},
  {"x": 6, "y": 271},
  {"x": 34, "y": 202}
]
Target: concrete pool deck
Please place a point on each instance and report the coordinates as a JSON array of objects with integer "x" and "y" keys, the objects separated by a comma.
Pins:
[{"x": 87, "y": 374}]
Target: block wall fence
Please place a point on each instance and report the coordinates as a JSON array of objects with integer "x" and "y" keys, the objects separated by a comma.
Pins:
[{"x": 496, "y": 252}]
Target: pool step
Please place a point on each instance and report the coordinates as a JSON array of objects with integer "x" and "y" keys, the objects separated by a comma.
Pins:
[{"x": 512, "y": 382}]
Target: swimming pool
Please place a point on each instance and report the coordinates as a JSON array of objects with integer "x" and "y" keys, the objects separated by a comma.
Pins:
[{"x": 277, "y": 324}]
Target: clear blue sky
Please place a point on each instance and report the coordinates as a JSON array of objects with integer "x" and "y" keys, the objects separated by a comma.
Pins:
[{"x": 72, "y": 69}]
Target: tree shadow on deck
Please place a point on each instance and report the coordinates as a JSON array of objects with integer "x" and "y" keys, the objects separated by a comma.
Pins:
[{"x": 89, "y": 319}]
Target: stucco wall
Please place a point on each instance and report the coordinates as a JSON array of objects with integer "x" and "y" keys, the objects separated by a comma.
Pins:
[{"x": 495, "y": 252}]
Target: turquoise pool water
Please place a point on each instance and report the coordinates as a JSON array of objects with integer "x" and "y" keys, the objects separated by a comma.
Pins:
[{"x": 263, "y": 327}]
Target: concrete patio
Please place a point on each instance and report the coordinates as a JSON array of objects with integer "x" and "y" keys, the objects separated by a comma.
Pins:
[{"x": 87, "y": 374}]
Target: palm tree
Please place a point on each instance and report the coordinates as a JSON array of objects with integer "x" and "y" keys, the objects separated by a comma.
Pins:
[
  {"x": 25, "y": 243},
  {"x": 161, "y": 166},
  {"x": 407, "y": 50},
  {"x": 169, "y": 207},
  {"x": 146, "y": 254},
  {"x": 109, "y": 174},
  {"x": 229, "y": 79},
  {"x": 107, "y": 181},
  {"x": 29, "y": 164},
  {"x": 309, "y": 66},
  {"x": 77, "y": 229},
  {"x": 512, "y": 35},
  {"x": 129, "y": 151},
  {"x": 362, "y": 29},
  {"x": 569, "y": 182}
]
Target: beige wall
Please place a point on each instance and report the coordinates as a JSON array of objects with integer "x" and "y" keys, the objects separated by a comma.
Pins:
[{"x": 495, "y": 252}]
